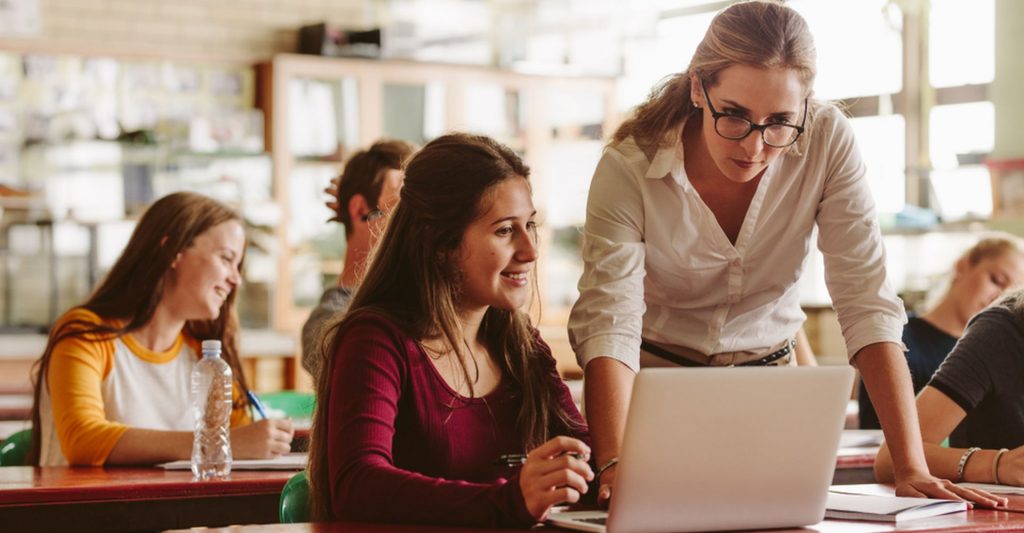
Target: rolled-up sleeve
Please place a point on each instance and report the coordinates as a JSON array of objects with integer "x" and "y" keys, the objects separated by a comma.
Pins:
[
  {"x": 607, "y": 318},
  {"x": 868, "y": 308}
]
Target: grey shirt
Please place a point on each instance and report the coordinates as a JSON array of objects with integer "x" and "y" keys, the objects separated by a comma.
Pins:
[
  {"x": 984, "y": 375},
  {"x": 332, "y": 304}
]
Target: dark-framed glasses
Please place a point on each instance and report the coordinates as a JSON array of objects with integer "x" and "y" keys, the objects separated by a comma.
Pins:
[{"x": 777, "y": 135}]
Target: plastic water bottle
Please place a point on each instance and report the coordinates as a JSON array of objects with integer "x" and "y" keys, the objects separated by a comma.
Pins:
[{"x": 211, "y": 410}]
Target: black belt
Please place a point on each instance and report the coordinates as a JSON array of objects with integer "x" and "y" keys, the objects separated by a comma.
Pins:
[{"x": 682, "y": 361}]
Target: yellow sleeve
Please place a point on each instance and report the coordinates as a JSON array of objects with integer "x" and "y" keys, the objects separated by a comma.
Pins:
[
  {"x": 240, "y": 415},
  {"x": 77, "y": 368}
]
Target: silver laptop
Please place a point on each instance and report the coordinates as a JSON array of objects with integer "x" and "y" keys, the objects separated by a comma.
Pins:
[{"x": 724, "y": 448}]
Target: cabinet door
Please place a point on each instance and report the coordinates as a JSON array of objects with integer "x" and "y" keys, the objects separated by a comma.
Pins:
[
  {"x": 414, "y": 112},
  {"x": 494, "y": 110},
  {"x": 323, "y": 130},
  {"x": 564, "y": 168}
]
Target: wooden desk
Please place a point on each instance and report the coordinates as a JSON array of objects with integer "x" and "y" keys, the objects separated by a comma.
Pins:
[
  {"x": 855, "y": 468},
  {"x": 856, "y": 459},
  {"x": 133, "y": 499},
  {"x": 978, "y": 520},
  {"x": 975, "y": 521}
]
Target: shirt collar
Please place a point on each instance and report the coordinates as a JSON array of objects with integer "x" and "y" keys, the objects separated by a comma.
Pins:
[{"x": 668, "y": 160}]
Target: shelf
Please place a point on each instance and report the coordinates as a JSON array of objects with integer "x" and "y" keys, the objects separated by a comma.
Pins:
[{"x": 437, "y": 100}]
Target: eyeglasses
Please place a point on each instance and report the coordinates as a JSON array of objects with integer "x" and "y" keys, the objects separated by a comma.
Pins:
[
  {"x": 735, "y": 128},
  {"x": 373, "y": 215}
]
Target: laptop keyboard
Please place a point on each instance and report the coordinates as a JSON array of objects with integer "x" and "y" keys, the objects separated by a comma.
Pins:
[{"x": 601, "y": 520}]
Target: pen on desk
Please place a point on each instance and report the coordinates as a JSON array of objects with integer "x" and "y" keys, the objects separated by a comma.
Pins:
[{"x": 255, "y": 401}]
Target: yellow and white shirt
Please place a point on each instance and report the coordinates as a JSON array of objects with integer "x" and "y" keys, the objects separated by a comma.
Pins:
[{"x": 97, "y": 389}]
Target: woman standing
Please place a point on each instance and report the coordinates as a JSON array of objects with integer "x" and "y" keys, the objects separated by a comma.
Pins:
[{"x": 698, "y": 223}]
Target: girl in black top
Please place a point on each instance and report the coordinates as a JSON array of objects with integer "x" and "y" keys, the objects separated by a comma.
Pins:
[
  {"x": 976, "y": 398},
  {"x": 981, "y": 275}
]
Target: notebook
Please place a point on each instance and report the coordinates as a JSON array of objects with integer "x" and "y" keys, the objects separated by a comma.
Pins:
[
  {"x": 846, "y": 506},
  {"x": 723, "y": 449}
]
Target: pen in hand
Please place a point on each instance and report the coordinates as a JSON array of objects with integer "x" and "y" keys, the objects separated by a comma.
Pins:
[
  {"x": 255, "y": 401},
  {"x": 511, "y": 459},
  {"x": 518, "y": 459}
]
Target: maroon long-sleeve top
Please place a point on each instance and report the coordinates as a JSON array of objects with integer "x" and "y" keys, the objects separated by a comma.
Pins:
[{"x": 404, "y": 447}]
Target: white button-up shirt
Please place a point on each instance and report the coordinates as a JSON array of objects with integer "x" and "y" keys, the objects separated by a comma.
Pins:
[{"x": 658, "y": 265}]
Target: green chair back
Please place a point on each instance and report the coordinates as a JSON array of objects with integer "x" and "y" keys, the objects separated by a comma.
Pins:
[
  {"x": 295, "y": 500},
  {"x": 14, "y": 449},
  {"x": 294, "y": 404}
]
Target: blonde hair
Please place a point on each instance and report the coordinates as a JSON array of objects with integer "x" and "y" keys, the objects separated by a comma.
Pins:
[
  {"x": 759, "y": 33},
  {"x": 993, "y": 244}
]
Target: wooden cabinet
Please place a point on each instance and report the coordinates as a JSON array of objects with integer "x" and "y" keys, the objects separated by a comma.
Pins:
[{"x": 320, "y": 110}]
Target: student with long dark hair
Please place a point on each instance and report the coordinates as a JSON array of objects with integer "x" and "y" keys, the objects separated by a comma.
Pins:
[
  {"x": 437, "y": 384},
  {"x": 112, "y": 386}
]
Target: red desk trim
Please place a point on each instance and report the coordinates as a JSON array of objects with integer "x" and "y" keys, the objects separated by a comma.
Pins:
[{"x": 33, "y": 485}]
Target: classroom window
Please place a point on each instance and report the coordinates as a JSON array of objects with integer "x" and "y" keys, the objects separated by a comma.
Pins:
[
  {"x": 881, "y": 140},
  {"x": 961, "y": 42},
  {"x": 962, "y": 193},
  {"x": 860, "y": 54},
  {"x": 648, "y": 61},
  {"x": 960, "y": 135},
  {"x": 860, "y": 51},
  {"x": 961, "y": 132}
]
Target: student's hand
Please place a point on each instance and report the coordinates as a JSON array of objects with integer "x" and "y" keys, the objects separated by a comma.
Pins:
[
  {"x": 332, "y": 203},
  {"x": 924, "y": 485},
  {"x": 555, "y": 472},
  {"x": 262, "y": 440}
]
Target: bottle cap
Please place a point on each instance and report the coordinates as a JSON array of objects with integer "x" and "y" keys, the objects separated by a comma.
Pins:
[{"x": 211, "y": 345}]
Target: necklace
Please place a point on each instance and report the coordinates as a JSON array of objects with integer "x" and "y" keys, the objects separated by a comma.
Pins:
[
  {"x": 430, "y": 351},
  {"x": 476, "y": 366}
]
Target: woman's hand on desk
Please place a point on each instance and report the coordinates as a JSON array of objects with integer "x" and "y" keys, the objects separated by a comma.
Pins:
[
  {"x": 264, "y": 439},
  {"x": 929, "y": 486},
  {"x": 555, "y": 472}
]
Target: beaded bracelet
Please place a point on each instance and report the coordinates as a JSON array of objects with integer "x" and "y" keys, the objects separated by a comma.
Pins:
[
  {"x": 963, "y": 462},
  {"x": 995, "y": 465}
]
